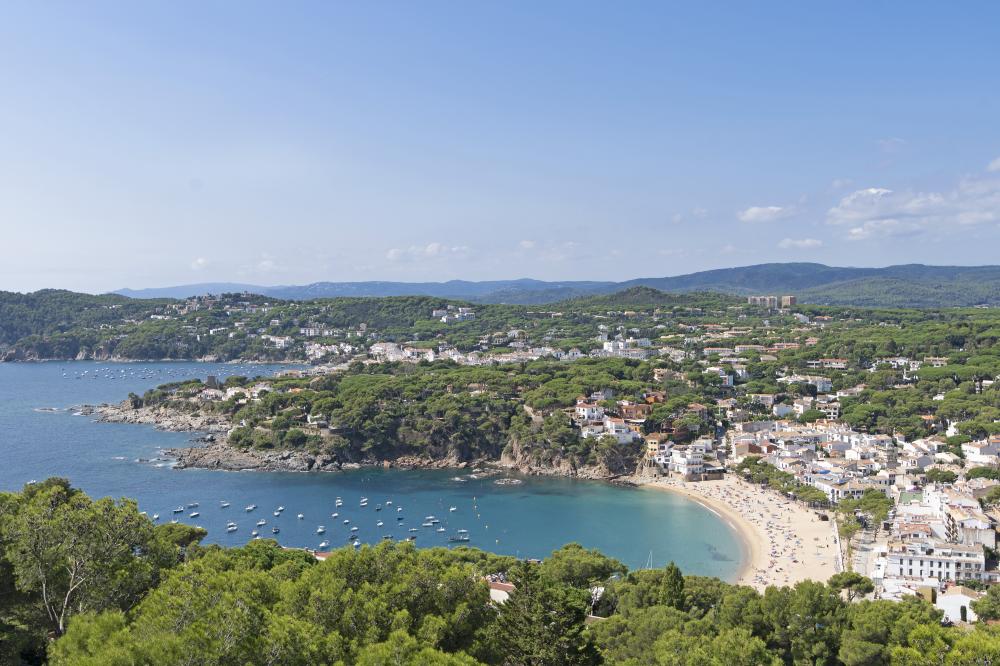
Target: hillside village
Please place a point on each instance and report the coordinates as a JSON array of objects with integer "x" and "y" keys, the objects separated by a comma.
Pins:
[{"x": 830, "y": 407}]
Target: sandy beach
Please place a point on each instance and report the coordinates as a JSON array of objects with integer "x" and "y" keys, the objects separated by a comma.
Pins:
[{"x": 786, "y": 541}]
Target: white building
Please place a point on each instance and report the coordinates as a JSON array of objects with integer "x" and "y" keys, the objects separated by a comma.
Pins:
[{"x": 930, "y": 558}]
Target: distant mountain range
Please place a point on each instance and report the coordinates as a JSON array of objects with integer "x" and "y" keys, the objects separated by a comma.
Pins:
[{"x": 910, "y": 285}]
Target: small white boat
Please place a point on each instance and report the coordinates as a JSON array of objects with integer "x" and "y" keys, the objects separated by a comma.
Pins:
[
  {"x": 261, "y": 522},
  {"x": 193, "y": 514},
  {"x": 388, "y": 502},
  {"x": 453, "y": 508},
  {"x": 399, "y": 508},
  {"x": 335, "y": 515},
  {"x": 277, "y": 513},
  {"x": 354, "y": 529},
  {"x": 231, "y": 528},
  {"x": 281, "y": 508},
  {"x": 414, "y": 529},
  {"x": 324, "y": 544},
  {"x": 427, "y": 523},
  {"x": 346, "y": 521},
  {"x": 193, "y": 505},
  {"x": 275, "y": 530},
  {"x": 320, "y": 530},
  {"x": 250, "y": 507},
  {"x": 300, "y": 516},
  {"x": 223, "y": 505},
  {"x": 179, "y": 509},
  {"x": 156, "y": 516},
  {"x": 378, "y": 524},
  {"x": 440, "y": 529},
  {"x": 254, "y": 533},
  {"x": 357, "y": 544},
  {"x": 173, "y": 522}
]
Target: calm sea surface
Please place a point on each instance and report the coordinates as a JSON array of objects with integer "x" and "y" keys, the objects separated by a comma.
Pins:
[{"x": 530, "y": 520}]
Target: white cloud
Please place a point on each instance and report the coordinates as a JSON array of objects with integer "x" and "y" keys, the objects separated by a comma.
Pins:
[
  {"x": 880, "y": 212},
  {"x": 428, "y": 251},
  {"x": 800, "y": 243},
  {"x": 199, "y": 264},
  {"x": 527, "y": 245},
  {"x": 891, "y": 145},
  {"x": 840, "y": 183},
  {"x": 764, "y": 213},
  {"x": 994, "y": 165}
]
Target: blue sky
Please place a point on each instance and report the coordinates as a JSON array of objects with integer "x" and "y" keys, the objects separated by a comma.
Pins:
[{"x": 146, "y": 144}]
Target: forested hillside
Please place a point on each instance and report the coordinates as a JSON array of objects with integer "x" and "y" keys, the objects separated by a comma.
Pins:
[{"x": 124, "y": 591}]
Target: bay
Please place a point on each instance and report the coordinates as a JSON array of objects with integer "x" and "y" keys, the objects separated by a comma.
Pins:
[{"x": 40, "y": 437}]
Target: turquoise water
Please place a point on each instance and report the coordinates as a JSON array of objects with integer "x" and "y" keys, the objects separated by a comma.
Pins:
[{"x": 529, "y": 520}]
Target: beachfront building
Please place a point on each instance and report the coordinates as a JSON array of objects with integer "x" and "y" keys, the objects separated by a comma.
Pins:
[{"x": 929, "y": 558}]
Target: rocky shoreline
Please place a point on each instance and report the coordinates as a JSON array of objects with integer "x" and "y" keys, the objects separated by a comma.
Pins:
[{"x": 212, "y": 450}]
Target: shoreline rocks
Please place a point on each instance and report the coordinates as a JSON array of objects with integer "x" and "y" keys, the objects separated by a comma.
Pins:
[{"x": 214, "y": 452}]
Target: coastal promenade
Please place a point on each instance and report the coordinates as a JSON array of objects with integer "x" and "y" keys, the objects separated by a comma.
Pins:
[{"x": 786, "y": 542}]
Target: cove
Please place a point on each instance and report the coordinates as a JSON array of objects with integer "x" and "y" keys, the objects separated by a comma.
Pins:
[{"x": 40, "y": 437}]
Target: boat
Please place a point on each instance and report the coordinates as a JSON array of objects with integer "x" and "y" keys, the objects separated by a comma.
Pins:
[
  {"x": 414, "y": 529},
  {"x": 193, "y": 514},
  {"x": 347, "y": 521},
  {"x": 427, "y": 523},
  {"x": 300, "y": 516},
  {"x": 254, "y": 533},
  {"x": 193, "y": 505},
  {"x": 435, "y": 521},
  {"x": 339, "y": 502},
  {"x": 357, "y": 544},
  {"x": 379, "y": 524},
  {"x": 429, "y": 518},
  {"x": 179, "y": 509},
  {"x": 231, "y": 528},
  {"x": 250, "y": 507},
  {"x": 261, "y": 522},
  {"x": 274, "y": 530},
  {"x": 412, "y": 537},
  {"x": 378, "y": 507},
  {"x": 440, "y": 529},
  {"x": 459, "y": 537},
  {"x": 281, "y": 508},
  {"x": 277, "y": 513},
  {"x": 388, "y": 502},
  {"x": 354, "y": 529},
  {"x": 398, "y": 509},
  {"x": 173, "y": 522},
  {"x": 324, "y": 544},
  {"x": 335, "y": 515},
  {"x": 156, "y": 516},
  {"x": 320, "y": 530},
  {"x": 399, "y": 517},
  {"x": 387, "y": 537},
  {"x": 223, "y": 505},
  {"x": 453, "y": 508}
]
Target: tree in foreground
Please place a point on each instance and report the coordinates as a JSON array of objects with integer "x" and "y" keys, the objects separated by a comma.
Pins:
[{"x": 541, "y": 624}]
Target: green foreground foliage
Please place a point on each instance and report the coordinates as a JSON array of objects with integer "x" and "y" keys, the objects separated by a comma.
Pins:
[{"x": 140, "y": 594}]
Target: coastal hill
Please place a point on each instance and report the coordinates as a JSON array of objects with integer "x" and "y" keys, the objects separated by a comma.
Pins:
[{"x": 909, "y": 285}]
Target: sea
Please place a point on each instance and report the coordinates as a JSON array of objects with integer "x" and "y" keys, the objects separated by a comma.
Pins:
[{"x": 42, "y": 435}]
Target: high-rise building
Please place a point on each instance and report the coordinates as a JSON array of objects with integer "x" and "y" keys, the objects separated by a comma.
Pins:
[{"x": 788, "y": 301}]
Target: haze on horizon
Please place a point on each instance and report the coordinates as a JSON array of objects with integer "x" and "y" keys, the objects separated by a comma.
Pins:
[{"x": 161, "y": 143}]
